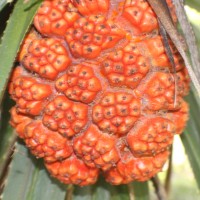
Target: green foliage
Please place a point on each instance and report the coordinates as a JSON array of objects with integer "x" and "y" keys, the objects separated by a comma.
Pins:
[
  {"x": 34, "y": 183},
  {"x": 28, "y": 180},
  {"x": 7, "y": 137},
  {"x": 193, "y": 3},
  {"x": 191, "y": 137},
  {"x": 16, "y": 29}
]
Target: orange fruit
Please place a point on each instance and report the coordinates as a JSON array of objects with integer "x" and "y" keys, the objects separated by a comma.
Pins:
[{"x": 96, "y": 93}]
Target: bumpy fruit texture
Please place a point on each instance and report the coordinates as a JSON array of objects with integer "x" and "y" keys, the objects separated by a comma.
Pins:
[
  {"x": 79, "y": 83},
  {"x": 47, "y": 57},
  {"x": 65, "y": 116},
  {"x": 116, "y": 113},
  {"x": 96, "y": 93},
  {"x": 91, "y": 35}
]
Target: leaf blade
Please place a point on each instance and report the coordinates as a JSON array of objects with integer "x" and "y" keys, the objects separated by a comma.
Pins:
[
  {"x": 189, "y": 36},
  {"x": 191, "y": 137},
  {"x": 141, "y": 190},
  {"x": 17, "y": 26},
  {"x": 164, "y": 17},
  {"x": 31, "y": 179},
  {"x": 101, "y": 190},
  {"x": 193, "y": 3}
]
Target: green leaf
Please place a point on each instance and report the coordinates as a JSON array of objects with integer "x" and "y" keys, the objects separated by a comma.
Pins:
[
  {"x": 28, "y": 180},
  {"x": 193, "y": 3},
  {"x": 191, "y": 137},
  {"x": 34, "y": 183},
  {"x": 16, "y": 28},
  {"x": 101, "y": 190},
  {"x": 163, "y": 15},
  {"x": 7, "y": 138},
  {"x": 141, "y": 190},
  {"x": 194, "y": 17}
]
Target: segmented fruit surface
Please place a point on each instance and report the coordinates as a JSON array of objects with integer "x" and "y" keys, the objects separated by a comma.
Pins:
[{"x": 95, "y": 91}]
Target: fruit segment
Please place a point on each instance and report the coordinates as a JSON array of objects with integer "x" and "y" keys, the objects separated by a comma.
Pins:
[
  {"x": 30, "y": 37},
  {"x": 29, "y": 94},
  {"x": 116, "y": 113},
  {"x": 88, "y": 7},
  {"x": 19, "y": 121},
  {"x": 126, "y": 66},
  {"x": 96, "y": 149},
  {"x": 46, "y": 144},
  {"x": 47, "y": 57},
  {"x": 180, "y": 117},
  {"x": 96, "y": 93},
  {"x": 73, "y": 171},
  {"x": 135, "y": 169},
  {"x": 54, "y": 17},
  {"x": 142, "y": 17},
  {"x": 89, "y": 36},
  {"x": 65, "y": 116},
  {"x": 163, "y": 93},
  {"x": 151, "y": 136},
  {"x": 79, "y": 83},
  {"x": 156, "y": 52}
]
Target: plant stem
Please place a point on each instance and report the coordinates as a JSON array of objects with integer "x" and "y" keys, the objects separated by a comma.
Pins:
[
  {"x": 159, "y": 189},
  {"x": 69, "y": 192},
  {"x": 169, "y": 174},
  {"x": 5, "y": 167},
  {"x": 131, "y": 191}
]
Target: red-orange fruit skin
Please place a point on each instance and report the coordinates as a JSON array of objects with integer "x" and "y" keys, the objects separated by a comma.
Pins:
[
  {"x": 55, "y": 17},
  {"x": 180, "y": 117},
  {"x": 160, "y": 90},
  {"x": 73, "y": 171},
  {"x": 79, "y": 83},
  {"x": 87, "y": 7},
  {"x": 46, "y": 57},
  {"x": 140, "y": 14},
  {"x": 116, "y": 112},
  {"x": 19, "y": 122},
  {"x": 141, "y": 169},
  {"x": 151, "y": 136},
  {"x": 31, "y": 36},
  {"x": 91, "y": 35},
  {"x": 96, "y": 93},
  {"x": 158, "y": 56},
  {"x": 46, "y": 144},
  {"x": 142, "y": 17},
  {"x": 29, "y": 94},
  {"x": 65, "y": 116},
  {"x": 125, "y": 66},
  {"x": 96, "y": 149}
]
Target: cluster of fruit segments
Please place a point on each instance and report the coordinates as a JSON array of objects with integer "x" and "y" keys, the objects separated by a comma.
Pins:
[{"x": 96, "y": 93}]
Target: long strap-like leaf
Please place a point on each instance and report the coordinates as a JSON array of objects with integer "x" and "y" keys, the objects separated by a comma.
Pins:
[
  {"x": 16, "y": 28},
  {"x": 192, "y": 3},
  {"x": 28, "y": 180},
  {"x": 191, "y": 137},
  {"x": 162, "y": 14},
  {"x": 189, "y": 36},
  {"x": 171, "y": 58}
]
